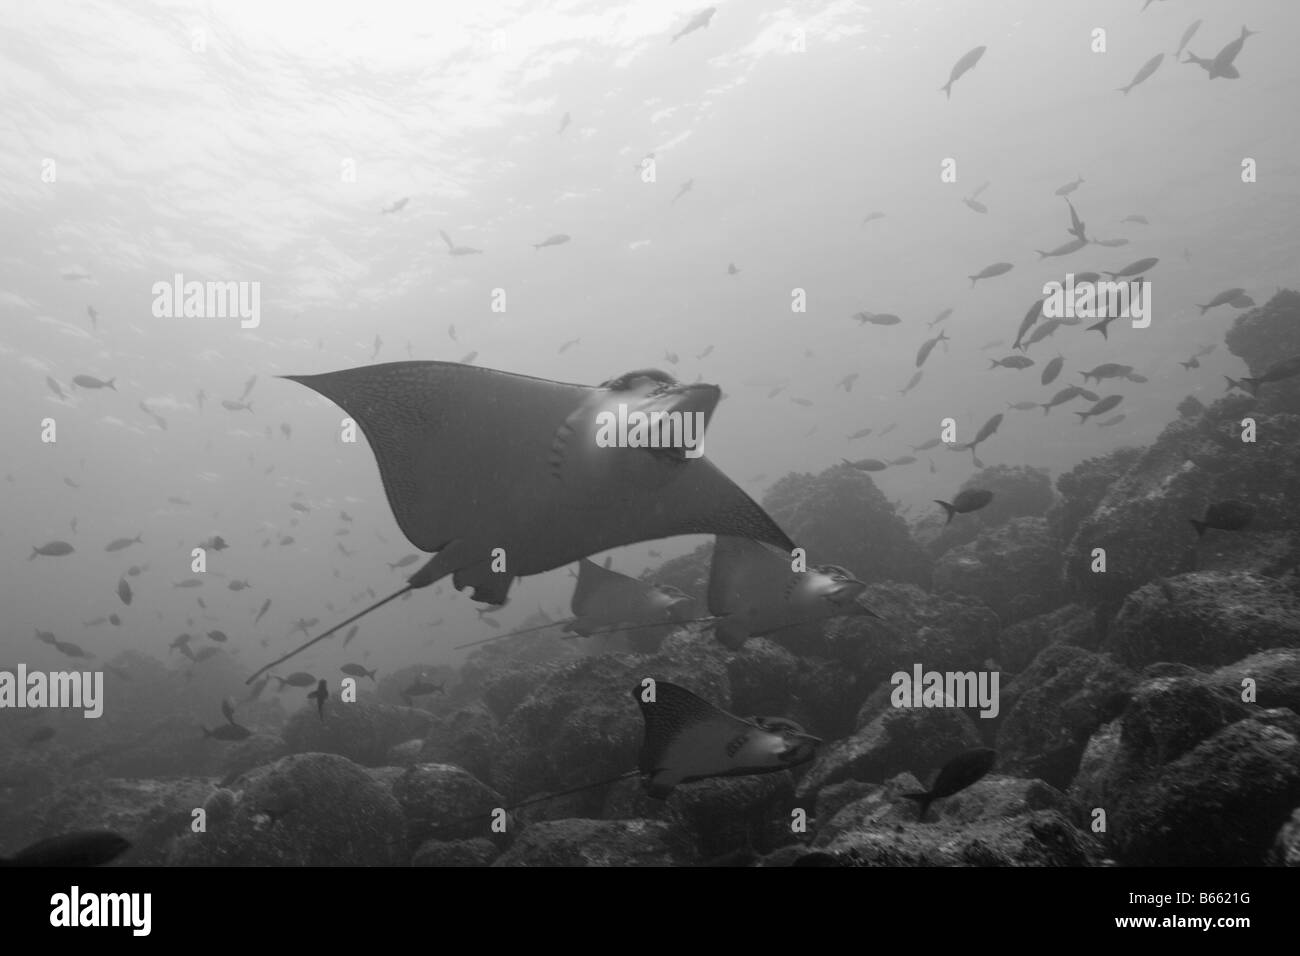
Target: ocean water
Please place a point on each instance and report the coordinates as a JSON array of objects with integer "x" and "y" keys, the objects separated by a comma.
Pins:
[{"x": 318, "y": 156}]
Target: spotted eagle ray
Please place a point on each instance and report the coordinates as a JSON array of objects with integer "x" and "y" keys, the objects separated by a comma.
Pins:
[
  {"x": 605, "y": 600},
  {"x": 474, "y": 460},
  {"x": 687, "y": 739},
  {"x": 753, "y": 591}
]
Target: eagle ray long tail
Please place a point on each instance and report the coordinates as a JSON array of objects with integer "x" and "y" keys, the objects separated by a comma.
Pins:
[
  {"x": 421, "y": 578},
  {"x": 549, "y": 796}
]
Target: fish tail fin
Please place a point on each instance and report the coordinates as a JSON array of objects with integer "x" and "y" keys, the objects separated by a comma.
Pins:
[
  {"x": 1203, "y": 308},
  {"x": 946, "y": 89},
  {"x": 206, "y": 732},
  {"x": 972, "y": 281},
  {"x": 1200, "y": 527},
  {"x": 1083, "y": 417},
  {"x": 1124, "y": 89},
  {"x": 372, "y": 672},
  {"x": 1046, "y": 409},
  {"x": 282, "y": 681},
  {"x": 33, "y": 555},
  {"x": 1041, "y": 253},
  {"x": 948, "y": 508},
  {"x": 943, "y": 336},
  {"x": 110, "y": 384},
  {"x": 994, "y": 363}
]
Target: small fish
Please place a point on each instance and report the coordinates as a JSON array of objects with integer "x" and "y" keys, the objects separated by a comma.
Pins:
[
  {"x": 956, "y": 775},
  {"x": 1223, "y": 298},
  {"x": 304, "y": 625},
  {"x": 1112, "y": 243},
  {"x": 985, "y": 432},
  {"x": 455, "y": 250},
  {"x": 352, "y": 632},
  {"x": 89, "y": 381},
  {"x": 1042, "y": 331},
  {"x": 1077, "y": 225},
  {"x": 300, "y": 507},
  {"x": 732, "y": 270},
  {"x": 975, "y": 205},
  {"x": 189, "y": 583},
  {"x": 1027, "y": 322},
  {"x": 177, "y": 501},
  {"x": 1140, "y": 220},
  {"x": 124, "y": 591},
  {"x": 706, "y": 353},
  {"x": 46, "y": 637},
  {"x": 405, "y": 562},
  {"x": 860, "y": 433},
  {"x": 356, "y": 670},
  {"x": 1052, "y": 370},
  {"x": 940, "y": 317},
  {"x": 76, "y": 849},
  {"x": 1021, "y": 406},
  {"x": 687, "y": 738},
  {"x": 1135, "y": 377},
  {"x": 218, "y": 636},
  {"x": 286, "y": 540},
  {"x": 568, "y": 345},
  {"x": 685, "y": 188},
  {"x": 379, "y": 344},
  {"x": 320, "y": 695},
  {"x": 1231, "y": 515},
  {"x": 266, "y": 606},
  {"x": 228, "y": 710},
  {"x": 1012, "y": 361},
  {"x": 1070, "y": 187},
  {"x": 927, "y": 347},
  {"x": 988, "y": 272},
  {"x": 932, "y": 443},
  {"x": 867, "y": 464},
  {"x": 117, "y": 544},
  {"x": 1135, "y": 268},
  {"x": 671, "y": 357},
  {"x": 296, "y": 679},
  {"x": 94, "y": 317},
  {"x": 564, "y": 124},
  {"x": 200, "y": 398},
  {"x": 238, "y": 585},
  {"x": 971, "y": 499},
  {"x": 888, "y": 428},
  {"x": 558, "y": 239},
  {"x": 1112, "y": 421},
  {"x": 1109, "y": 370},
  {"x": 697, "y": 22},
  {"x": 911, "y": 383},
  {"x": 469, "y": 359},
  {"x": 1187, "y": 35},
  {"x": 1074, "y": 245},
  {"x": 1149, "y": 67},
  {"x": 205, "y": 653},
  {"x": 871, "y": 217},
  {"x": 40, "y": 736},
  {"x": 967, "y": 62},
  {"x": 68, "y": 649},
  {"x": 54, "y": 387},
  {"x": 905, "y": 460},
  {"x": 248, "y": 387},
  {"x": 54, "y": 549},
  {"x": 396, "y": 206},
  {"x": 230, "y": 406},
  {"x": 877, "y": 318},
  {"x": 802, "y": 401},
  {"x": 227, "y": 732},
  {"x": 1103, "y": 406}
]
